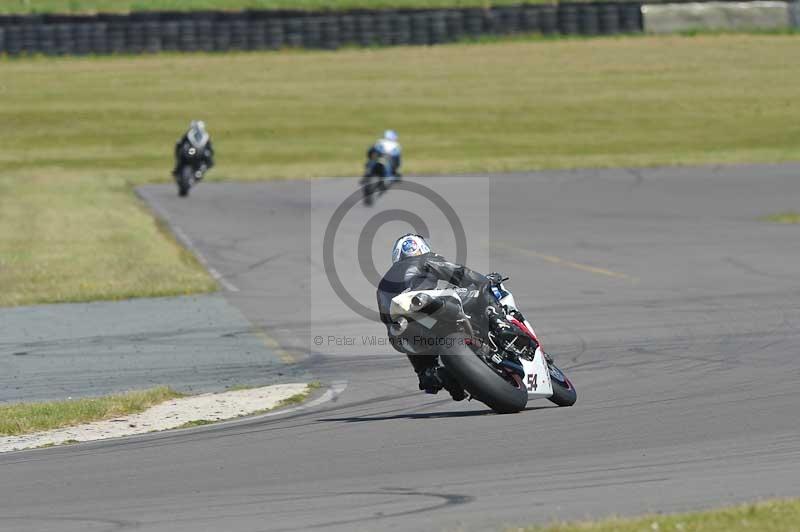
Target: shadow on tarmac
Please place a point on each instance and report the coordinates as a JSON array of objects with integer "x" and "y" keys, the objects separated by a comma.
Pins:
[{"x": 427, "y": 415}]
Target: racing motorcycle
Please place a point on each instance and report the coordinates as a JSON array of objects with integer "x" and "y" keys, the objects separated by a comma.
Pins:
[
  {"x": 377, "y": 176},
  {"x": 191, "y": 169},
  {"x": 503, "y": 373}
]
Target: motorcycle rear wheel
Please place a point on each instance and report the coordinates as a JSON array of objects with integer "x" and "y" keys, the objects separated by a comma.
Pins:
[{"x": 480, "y": 380}]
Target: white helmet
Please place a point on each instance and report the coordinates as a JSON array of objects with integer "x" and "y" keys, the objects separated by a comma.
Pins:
[
  {"x": 390, "y": 134},
  {"x": 197, "y": 134},
  {"x": 409, "y": 245}
]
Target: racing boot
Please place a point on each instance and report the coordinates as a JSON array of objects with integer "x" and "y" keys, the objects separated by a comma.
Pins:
[
  {"x": 431, "y": 380},
  {"x": 450, "y": 384}
]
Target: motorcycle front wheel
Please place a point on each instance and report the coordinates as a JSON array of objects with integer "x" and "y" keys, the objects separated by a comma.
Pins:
[
  {"x": 481, "y": 381},
  {"x": 564, "y": 393},
  {"x": 184, "y": 181},
  {"x": 370, "y": 188}
]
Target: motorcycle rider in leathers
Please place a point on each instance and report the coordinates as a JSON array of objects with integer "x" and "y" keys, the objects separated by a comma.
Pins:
[{"x": 416, "y": 267}]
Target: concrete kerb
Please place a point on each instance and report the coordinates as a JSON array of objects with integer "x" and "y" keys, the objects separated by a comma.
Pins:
[
  {"x": 754, "y": 15},
  {"x": 794, "y": 14}
]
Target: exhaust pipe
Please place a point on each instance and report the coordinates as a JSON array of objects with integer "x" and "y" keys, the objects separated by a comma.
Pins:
[
  {"x": 441, "y": 307},
  {"x": 425, "y": 303}
]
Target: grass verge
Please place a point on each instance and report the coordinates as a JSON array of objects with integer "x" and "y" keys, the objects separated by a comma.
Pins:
[
  {"x": 783, "y": 218},
  {"x": 299, "y": 397},
  {"x": 123, "y": 6},
  {"x": 289, "y": 401},
  {"x": 197, "y": 423},
  {"x": 79, "y": 132},
  {"x": 769, "y": 516},
  {"x": 25, "y": 418},
  {"x": 69, "y": 238}
]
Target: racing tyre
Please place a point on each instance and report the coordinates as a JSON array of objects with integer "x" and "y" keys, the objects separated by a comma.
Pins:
[
  {"x": 184, "y": 181},
  {"x": 480, "y": 380},
  {"x": 563, "y": 391},
  {"x": 368, "y": 199},
  {"x": 370, "y": 187}
]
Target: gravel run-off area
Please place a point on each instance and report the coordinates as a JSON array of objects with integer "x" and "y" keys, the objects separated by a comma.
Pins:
[{"x": 167, "y": 415}]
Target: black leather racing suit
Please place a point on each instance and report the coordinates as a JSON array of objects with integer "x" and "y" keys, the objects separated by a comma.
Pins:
[
  {"x": 423, "y": 272},
  {"x": 396, "y": 159},
  {"x": 208, "y": 153}
]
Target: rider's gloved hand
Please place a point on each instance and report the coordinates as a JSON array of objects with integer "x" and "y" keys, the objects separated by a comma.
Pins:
[{"x": 496, "y": 278}]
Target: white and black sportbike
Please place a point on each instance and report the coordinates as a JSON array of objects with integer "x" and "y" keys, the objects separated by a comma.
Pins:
[
  {"x": 502, "y": 370},
  {"x": 191, "y": 168}
]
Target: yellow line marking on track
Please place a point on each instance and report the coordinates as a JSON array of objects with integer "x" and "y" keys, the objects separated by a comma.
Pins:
[
  {"x": 285, "y": 356},
  {"x": 568, "y": 263}
]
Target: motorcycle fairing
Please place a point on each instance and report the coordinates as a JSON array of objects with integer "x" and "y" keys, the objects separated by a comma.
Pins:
[{"x": 537, "y": 376}]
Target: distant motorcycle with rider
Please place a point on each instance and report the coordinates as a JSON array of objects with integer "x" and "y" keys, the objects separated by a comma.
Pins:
[
  {"x": 382, "y": 168},
  {"x": 194, "y": 156}
]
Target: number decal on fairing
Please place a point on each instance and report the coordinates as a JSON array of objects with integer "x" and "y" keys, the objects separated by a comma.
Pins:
[{"x": 532, "y": 384}]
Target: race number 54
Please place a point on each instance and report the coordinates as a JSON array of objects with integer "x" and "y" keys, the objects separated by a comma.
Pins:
[{"x": 532, "y": 384}]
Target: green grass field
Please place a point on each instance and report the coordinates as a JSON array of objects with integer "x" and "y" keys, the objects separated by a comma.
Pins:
[
  {"x": 783, "y": 218},
  {"x": 106, "y": 6},
  {"x": 68, "y": 238},
  {"x": 79, "y": 132},
  {"x": 25, "y": 418},
  {"x": 769, "y": 516}
]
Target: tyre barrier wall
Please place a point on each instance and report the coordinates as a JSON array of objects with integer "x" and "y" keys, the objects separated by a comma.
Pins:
[
  {"x": 153, "y": 32},
  {"x": 754, "y": 15}
]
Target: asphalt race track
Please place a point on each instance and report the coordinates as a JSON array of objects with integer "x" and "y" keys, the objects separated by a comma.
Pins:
[
  {"x": 197, "y": 344},
  {"x": 672, "y": 308}
]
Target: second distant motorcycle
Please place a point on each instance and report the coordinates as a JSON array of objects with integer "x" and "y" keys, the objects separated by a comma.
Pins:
[{"x": 382, "y": 168}]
